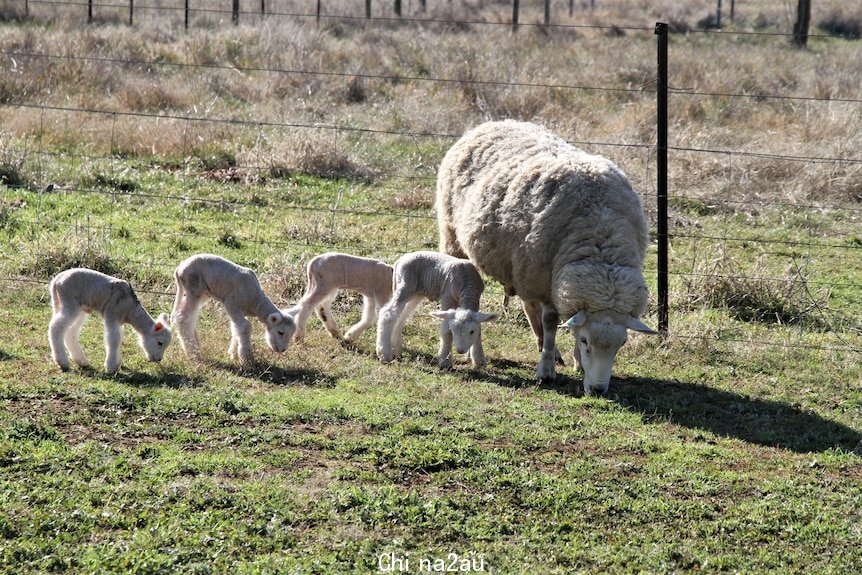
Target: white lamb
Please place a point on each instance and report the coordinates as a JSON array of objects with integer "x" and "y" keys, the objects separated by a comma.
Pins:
[
  {"x": 77, "y": 292},
  {"x": 330, "y": 272},
  {"x": 206, "y": 276},
  {"x": 557, "y": 226},
  {"x": 456, "y": 285}
]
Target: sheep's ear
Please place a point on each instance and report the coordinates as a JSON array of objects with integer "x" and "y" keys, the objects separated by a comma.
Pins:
[
  {"x": 576, "y": 320},
  {"x": 274, "y": 318},
  {"x": 483, "y": 317},
  {"x": 635, "y": 324},
  {"x": 443, "y": 314}
]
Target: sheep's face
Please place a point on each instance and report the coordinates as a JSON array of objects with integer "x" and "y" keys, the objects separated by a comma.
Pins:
[
  {"x": 156, "y": 341},
  {"x": 465, "y": 325},
  {"x": 598, "y": 337},
  {"x": 280, "y": 327}
]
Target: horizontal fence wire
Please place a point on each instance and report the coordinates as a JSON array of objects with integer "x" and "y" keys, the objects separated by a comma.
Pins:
[{"x": 721, "y": 242}]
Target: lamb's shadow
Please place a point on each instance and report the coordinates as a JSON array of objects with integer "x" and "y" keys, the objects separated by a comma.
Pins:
[
  {"x": 758, "y": 421},
  {"x": 278, "y": 374},
  {"x": 144, "y": 379}
]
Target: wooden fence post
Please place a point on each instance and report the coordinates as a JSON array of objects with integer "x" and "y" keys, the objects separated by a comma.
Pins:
[
  {"x": 803, "y": 21},
  {"x": 235, "y": 16},
  {"x": 514, "y": 15},
  {"x": 368, "y": 8}
]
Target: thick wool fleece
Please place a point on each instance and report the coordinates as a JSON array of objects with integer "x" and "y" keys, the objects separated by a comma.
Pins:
[{"x": 549, "y": 221}]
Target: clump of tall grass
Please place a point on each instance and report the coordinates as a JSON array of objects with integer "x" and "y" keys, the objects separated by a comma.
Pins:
[{"x": 758, "y": 295}]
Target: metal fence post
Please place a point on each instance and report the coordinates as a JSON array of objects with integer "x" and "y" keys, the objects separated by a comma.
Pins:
[
  {"x": 187, "y": 15},
  {"x": 235, "y": 16},
  {"x": 661, "y": 29}
]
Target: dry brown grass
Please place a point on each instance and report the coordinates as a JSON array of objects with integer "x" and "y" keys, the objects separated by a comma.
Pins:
[{"x": 441, "y": 79}]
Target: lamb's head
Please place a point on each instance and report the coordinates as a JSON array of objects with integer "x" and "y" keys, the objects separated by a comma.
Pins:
[
  {"x": 280, "y": 327},
  {"x": 156, "y": 340},
  {"x": 598, "y": 337},
  {"x": 465, "y": 325}
]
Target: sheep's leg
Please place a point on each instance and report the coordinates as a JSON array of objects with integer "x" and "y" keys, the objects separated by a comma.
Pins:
[
  {"x": 369, "y": 316},
  {"x": 240, "y": 341},
  {"x": 533, "y": 311},
  {"x": 324, "y": 314},
  {"x": 444, "y": 355},
  {"x": 113, "y": 339},
  {"x": 185, "y": 316},
  {"x": 546, "y": 370}
]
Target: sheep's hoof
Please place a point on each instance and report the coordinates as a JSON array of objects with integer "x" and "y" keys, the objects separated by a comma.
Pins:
[{"x": 445, "y": 364}]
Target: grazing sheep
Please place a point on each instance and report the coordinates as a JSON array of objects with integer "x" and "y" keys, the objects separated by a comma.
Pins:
[
  {"x": 454, "y": 283},
  {"x": 557, "y": 226},
  {"x": 330, "y": 272},
  {"x": 206, "y": 276},
  {"x": 77, "y": 292}
]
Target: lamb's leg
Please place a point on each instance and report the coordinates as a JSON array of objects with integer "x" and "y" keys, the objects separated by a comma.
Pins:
[
  {"x": 406, "y": 313},
  {"x": 305, "y": 307},
  {"x": 546, "y": 370},
  {"x": 72, "y": 340},
  {"x": 324, "y": 314},
  {"x": 240, "y": 341},
  {"x": 60, "y": 331},
  {"x": 369, "y": 316},
  {"x": 444, "y": 354},
  {"x": 385, "y": 324},
  {"x": 185, "y": 317},
  {"x": 477, "y": 352},
  {"x": 113, "y": 339}
]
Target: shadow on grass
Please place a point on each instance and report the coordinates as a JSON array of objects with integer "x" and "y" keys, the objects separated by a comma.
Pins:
[
  {"x": 142, "y": 379},
  {"x": 279, "y": 375},
  {"x": 759, "y": 421}
]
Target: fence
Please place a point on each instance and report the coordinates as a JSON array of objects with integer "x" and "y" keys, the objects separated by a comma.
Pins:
[{"x": 800, "y": 262}]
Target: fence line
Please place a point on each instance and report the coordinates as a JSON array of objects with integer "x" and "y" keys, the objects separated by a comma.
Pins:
[{"x": 651, "y": 149}]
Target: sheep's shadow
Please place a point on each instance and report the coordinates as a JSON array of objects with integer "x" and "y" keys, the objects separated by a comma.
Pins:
[{"x": 759, "y": 421}]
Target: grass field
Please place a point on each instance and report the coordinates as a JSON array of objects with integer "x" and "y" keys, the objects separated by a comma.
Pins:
[{"x": 733, "y": 445}]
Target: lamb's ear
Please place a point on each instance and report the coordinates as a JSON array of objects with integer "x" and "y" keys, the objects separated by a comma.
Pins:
[
  {"x": 274, "y": 318},
  {"x": 161, "y": 323},
  {"x": 576, "y": 320},
  {"x": 635, "y": 324},
  {"x": 443, "y": 314},
  {"x": 483, "y": 317}
]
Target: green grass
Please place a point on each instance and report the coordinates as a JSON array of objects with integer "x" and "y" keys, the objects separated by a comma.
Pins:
[
  {"x": 324, "y": 461},
  {"x": 734, "y": 445}
]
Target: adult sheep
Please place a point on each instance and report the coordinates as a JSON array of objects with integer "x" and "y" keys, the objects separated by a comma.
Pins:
[{"x": 557, "y": 226}]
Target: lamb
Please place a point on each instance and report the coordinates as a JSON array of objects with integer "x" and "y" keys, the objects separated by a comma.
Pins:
[
  {"x": 456, "y": 285},
  {"x": 557, "y": 226},
  {"x": 330, "y": 272},
  {"x": 205, "y": 276},
  {"x": 77, "y": 292}
]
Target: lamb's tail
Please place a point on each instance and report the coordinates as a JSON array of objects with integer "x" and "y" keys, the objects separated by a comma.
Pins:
[{"x": 55, "y": 295}]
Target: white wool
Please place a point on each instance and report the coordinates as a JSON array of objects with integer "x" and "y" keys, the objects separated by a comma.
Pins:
[
  {"x": 77, "y": 292},
  {"x": 237, "y": 288},
  {"x": 456, "y": 285},
  {"x": 331, "y": 272},
  {"x": 561, "y": 228}
]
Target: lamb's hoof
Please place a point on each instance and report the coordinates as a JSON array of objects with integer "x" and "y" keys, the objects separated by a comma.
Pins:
[{"x": 445, "y": 364}]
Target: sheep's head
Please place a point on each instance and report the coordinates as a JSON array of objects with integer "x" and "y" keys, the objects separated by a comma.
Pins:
[
  {"x": 465, "y": 325},
  {"x": 156, "y": 341},
  {"x": 598, "y": 337},
  {"x": 280, "y": 327}
]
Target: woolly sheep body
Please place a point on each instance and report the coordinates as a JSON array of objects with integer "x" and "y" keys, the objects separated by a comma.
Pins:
[
  {"x": 331, "y": 272},
  {"x": 561, "y": 228},
  {"x": 77, "y": 292},
  {"x": 456, "y": 285},
  {"x": 206, "y": 276}
]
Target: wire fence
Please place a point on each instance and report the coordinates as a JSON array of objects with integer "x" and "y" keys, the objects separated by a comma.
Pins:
[{"x": 773, "y": 260}]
